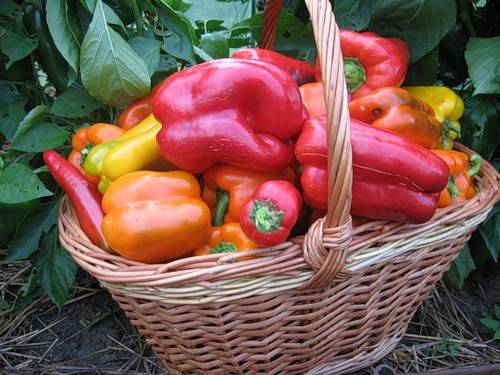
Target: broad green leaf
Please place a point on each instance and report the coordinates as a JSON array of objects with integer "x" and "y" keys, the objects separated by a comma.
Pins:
[
  {"x": 41, "y": 137},
  {"x": 497, "y": 311},
  {"x": 180, "y": 5},
  {"x": 215, "y": 44},
  {"x": 490, "y": 231},
  {"x": 180, "y": 43},
  {"x": 353, "y": 14},
  {"x": 8, "y": 8},
  {"x": 420, "y": 23},
  {"x": 230, "y": 12},
  {"x": 110, "y": 15},
  {"x": 480, "y": 125},
  {"x": 10, "y": 216},
  {"x": 461, "y": 268},
  {"x": 19, "y": 184},
  {"x": 149, "y": 50},
  {"x": 60, "y": 22},
  {"x": 2, "y": 163},
  {"x": 483, "y": 62},
  {"x": 496, "y": 336},
  {"x": 56, "y": 267},
  {"x": 15, "y": 46},
  {"x": 11, "y": 109},
  {"x": 33, "y": 117},
  {"x": 74, "y": 103},
  {"x": 38, "y": 221},
  {"x": 111, "y": 71},
  {"x": 423, "y": 71},
  {"x": 490, "y": 323}
]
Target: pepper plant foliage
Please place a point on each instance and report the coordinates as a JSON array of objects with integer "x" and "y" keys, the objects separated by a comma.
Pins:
[{"x": 67, "y": 64}]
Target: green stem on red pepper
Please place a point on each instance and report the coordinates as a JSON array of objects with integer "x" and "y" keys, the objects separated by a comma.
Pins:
[
  {"x": 266, "y": 216},
  {"x": 355, "y": 75}
]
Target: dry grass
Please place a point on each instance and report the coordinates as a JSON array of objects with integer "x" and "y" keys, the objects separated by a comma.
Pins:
[{"x": 91, "y": 336}]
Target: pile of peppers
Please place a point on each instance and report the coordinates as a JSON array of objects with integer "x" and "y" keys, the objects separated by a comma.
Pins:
[{"x": 231, "y": 155}]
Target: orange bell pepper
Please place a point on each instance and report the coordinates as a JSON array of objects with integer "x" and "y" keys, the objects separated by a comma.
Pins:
[
  {"x": 153, "y": 217},
  {"x": 228, "y": 188},
  {"x": 85, "y": 138},
  {"x": 313, "y": 98},
  {"x": 138, "y": 110},
  {"x": 460, "y": 185},
  {"x": 227, "y": 238},
  {"x": 395, "y": 110}
]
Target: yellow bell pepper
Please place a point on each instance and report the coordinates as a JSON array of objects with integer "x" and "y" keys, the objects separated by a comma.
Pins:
[
  {"x": 448, "y": 108},
  {"x": 132, "y": 151}
]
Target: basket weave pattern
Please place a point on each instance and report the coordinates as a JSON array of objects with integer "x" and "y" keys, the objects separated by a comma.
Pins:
[{"x": 330, "y": 302}]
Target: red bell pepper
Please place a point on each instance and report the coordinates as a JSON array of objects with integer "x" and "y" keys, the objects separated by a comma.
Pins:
[
  {"x": 268, "y": 218},
  {"x": 301, "y": 71},
  {"x": 82, "y": 193},
  {"x": 241, "y": 112},
  {"x": 393, "y": 178},
  {"x": 137, "y": 111},
  {"x": 371, "y": 61}
]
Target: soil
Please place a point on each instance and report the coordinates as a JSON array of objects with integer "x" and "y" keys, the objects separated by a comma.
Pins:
[{"x": 91, "y": 335}]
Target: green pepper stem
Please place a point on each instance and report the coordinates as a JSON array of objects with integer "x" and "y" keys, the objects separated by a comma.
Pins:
[
  {"x": 265, "y": 216},
  {"x": 224, "y": 247},
  {"x": 452, "y": 188},
  {"x": 221, "y": 207},
  {"x": 355, "y": 75},
  {"x": 84, "y": 152},
  {"x": 475, "y": 160},
  {"x": 449, "y": 127}
]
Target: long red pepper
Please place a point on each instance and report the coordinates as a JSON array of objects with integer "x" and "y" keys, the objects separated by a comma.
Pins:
[
  {"x": 83, "y": 195},
  {"x": 268, "y": 218}
]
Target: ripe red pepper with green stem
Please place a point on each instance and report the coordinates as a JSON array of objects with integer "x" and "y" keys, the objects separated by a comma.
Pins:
[
  {"x": 393, "y": 178},
  {"x": 241, "y": 112},
  {"x": 84, "y": 196},
  {"x": 269, "y": 217},
  {"x": 301, "y": 71}
]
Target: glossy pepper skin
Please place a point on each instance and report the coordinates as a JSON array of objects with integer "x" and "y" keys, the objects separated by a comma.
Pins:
[
  {"x": 301, "y": 71},
  {"x": 153, "y": 217},
  {"x": 134, "y": 113},
  {"x": 228, "y": 188},
  {"x": 395, "y": 110},
  {"x": 313, "y": 98},
  {"x": 228, "y": 238},
  {"x": 85, "y": 138},
  {"x": 448, "y": 108},
  {"x": 268, "y": 218},
  {"x": 393, "y": 178},
  {"x": 133, "y": 150},
  {"x": 460, "y": 185},
  {"x": 371, "y": 62},
  {"x": 83, "y": 195},
  {"x": 241, "y": 112}
]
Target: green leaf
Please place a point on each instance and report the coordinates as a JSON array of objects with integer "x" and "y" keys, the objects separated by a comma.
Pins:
[
  {"x": 15, "y": 46},
  {"x": 230, "y": 12},
  {"x": 353, "y": 15},
  {"x": 480, "y": 130},
  {"x": 33, "y": 117},
  {"x": 490, "y": 323},
  {"x": 110, "y": 15},
  {"x": 149, "y": 50},
  {"x": 490, "y": 231},
  {"x": 461, "y": 268},
  {"x": 111, "y": 70},
  {"x": 11, "y": 109},
  {"x": 38, "y": 221},
  {"x": 420, "y": 23},
  {"x": 10, "y": 216},
  {"x": 19, "y": 184},
  {"x": 180, "y": 43},
  {"x": 41, "y": 137},
  {"x": 4, "y": 305},
  {"x": 60, "y": 21},
  {"x": 497, "y": 311},
  {"x": 215, "y": 44},
  {"x": 496, "y": 336},
  {"x": 57, "y": 268},
  {"x": 74, "y": 103},
  {"x": 483, "y": 62},
  {"x": 8, "y": 8},
  {"x": 423, "y": 71}
]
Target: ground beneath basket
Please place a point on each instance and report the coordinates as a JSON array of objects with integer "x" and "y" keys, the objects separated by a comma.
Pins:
[{"x": 90, "y": 335}]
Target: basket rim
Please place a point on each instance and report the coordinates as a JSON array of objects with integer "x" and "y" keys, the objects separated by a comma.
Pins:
[{"x": 287, "y": 258}]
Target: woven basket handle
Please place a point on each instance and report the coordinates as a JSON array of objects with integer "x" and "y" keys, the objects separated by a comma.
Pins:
[{"x": 326, "y": 243}]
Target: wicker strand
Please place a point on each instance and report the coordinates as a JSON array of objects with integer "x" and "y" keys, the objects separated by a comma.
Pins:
[{"x": 272, "y": 11}]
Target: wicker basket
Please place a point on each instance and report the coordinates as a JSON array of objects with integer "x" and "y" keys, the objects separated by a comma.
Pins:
[{"x": 330, "y": 302}]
